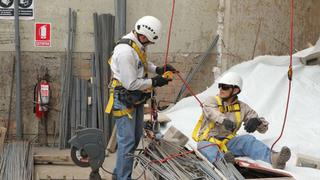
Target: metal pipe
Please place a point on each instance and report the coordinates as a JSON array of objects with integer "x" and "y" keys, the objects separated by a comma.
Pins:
[
  {"x": 121, "y": 9},
  {"x": 18, "y": 70}
]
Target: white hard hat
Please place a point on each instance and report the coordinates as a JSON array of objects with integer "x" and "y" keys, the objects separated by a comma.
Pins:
[
  {"x": 231, "y": 78},
  {"x": 150, "y": 27}
]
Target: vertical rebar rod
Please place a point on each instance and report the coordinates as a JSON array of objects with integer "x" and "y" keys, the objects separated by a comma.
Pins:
[
  {"x": 18, "y": 70},
  {"x": 121, "y": 13}
]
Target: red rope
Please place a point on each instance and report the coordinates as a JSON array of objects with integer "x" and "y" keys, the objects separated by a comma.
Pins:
[
  {"x": 167, "y": 52},
  {"x": 188, "y": 87},
  {"x": 289, "y": 74},
  {"x": 169, "y": 36},
  {"x": 172, "y": 156}
]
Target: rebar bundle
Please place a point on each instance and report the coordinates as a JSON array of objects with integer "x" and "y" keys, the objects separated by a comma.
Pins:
[
  {"x": 16, "y": 161},
  {"x": 169, "y": 161},
  {"x": 83, "y": 101}
]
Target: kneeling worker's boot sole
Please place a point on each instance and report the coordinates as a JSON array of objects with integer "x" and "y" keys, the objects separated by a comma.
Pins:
[{"x": 281, "y": 158}]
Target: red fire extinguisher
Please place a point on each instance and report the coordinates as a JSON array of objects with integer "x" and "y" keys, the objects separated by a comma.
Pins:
[{"x": 41, "y": 98}]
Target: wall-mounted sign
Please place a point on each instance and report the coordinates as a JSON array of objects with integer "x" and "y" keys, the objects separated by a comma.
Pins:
[
  {"x": 26, "y": 10},
  {"x": 42, "y": 35}
]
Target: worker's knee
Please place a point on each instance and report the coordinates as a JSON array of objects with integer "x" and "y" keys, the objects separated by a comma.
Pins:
[{"x": 247, "y": 137}]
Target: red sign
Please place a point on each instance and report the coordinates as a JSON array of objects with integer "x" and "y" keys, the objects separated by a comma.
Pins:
[{"x": 42, "y": 35}]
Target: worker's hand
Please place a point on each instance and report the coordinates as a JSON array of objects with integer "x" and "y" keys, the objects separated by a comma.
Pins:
[
  {"x": 252, "y": 124},
  {"x": 160, "y": 70},
  {"x": 159, "y": 81},
  {"x": 229, "y": 125},
  {"x": 263, "y": 127}
]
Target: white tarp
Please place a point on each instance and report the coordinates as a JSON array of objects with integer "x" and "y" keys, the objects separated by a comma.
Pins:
[{"x": 265, "y": 89}]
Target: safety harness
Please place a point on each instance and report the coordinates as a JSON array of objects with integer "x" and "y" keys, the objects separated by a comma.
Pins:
[
  {"x": 205, "y": 135},
  {"x": 116, "y": 83}
]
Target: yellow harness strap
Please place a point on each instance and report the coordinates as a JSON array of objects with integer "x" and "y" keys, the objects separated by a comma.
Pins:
[
  {"x": 142, "y": 55},
  {"x": 204, "y": 136},
  {"x": 116, "y": 113}
]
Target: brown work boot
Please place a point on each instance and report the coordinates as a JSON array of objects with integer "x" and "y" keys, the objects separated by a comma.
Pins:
[
  {"x": 279, "y": 159},
  {"x": 229, "y": 157}
]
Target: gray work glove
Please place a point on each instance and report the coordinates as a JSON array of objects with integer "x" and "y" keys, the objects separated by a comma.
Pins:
[
  {"x": 252, "y": 125},
  {"x": 229, "y": 125}
]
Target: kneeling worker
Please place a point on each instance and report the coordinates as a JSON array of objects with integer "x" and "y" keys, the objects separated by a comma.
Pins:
[
  {"x": 222, "y": 117},
  {"x": 130, "y": 88}
]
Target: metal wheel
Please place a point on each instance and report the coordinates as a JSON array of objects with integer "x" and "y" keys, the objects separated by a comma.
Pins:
[{"x": 79, "y": 157}]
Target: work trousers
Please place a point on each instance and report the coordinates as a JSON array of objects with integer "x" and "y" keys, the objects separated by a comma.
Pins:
[
  {"x": 244, "y": 145},
  {"x": 129, "y": 132}
]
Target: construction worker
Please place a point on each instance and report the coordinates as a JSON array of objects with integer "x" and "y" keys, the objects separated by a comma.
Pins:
[
  {"x": 222, "y": 117},
  {"x": 130, "y": 88}
]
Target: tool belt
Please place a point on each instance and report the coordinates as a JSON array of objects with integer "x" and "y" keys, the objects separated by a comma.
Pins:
[{"x": 129, "y": 98}]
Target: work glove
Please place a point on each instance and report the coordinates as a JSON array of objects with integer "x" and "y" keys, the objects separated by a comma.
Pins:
[
  {"x": 159, "y": 81},
  {"x": 228, "y": 124},
  {"x": 160, "y": 70},
  {"x": 252, "y": 124}
]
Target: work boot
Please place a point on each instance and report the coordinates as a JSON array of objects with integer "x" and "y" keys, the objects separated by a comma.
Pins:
[
  {"x": 279, "y": 159},
  {"x": 229, "y": 157}
]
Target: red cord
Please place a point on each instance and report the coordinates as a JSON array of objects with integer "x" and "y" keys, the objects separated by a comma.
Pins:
[
  {"x": 188, "y": 87},
  {"x": 172, "y": 156},
  {"x": 167, "y": 52},
  {"x": 169, "y": 36},
  {"x": 289, "y": 74}
]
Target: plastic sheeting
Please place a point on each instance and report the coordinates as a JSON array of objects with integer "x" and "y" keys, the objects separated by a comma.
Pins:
[{"x": 265, "y": 89}]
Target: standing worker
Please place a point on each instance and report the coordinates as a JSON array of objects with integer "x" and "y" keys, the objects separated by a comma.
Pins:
[
  {"x": 222, "y": 117},
  {"x": 130, "y": 88}
]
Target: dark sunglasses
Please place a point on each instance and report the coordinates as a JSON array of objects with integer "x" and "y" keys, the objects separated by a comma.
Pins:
[{"x": 225, "y": 86}]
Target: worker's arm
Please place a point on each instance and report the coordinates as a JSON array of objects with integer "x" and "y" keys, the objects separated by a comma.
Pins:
[
  {"x": 251, "y": 115},
  {"x": 128, "y": 69},
  {"x": 151, "y": 67},
  {"x": 211, "y": 110}
]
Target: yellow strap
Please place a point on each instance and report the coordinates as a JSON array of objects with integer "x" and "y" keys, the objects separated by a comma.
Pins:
[
  {"x": 142, "y": 56},
  {"x": 222, "y": 144},
  {"x": 110, "y": 102},
  {"x": 124, "y": 112},
  {"x": 195, "y": 136},
  {"x": 114, "y": 84}
]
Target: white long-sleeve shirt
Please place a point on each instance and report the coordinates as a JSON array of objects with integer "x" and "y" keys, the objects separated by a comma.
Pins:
[{"x": 128, "y": 68}]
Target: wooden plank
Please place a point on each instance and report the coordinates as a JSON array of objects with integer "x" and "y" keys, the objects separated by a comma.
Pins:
[
  {"x": 3, "y": 131},
  {"x": 53, "y": 159},
  {"x": 112, "y": 144}
]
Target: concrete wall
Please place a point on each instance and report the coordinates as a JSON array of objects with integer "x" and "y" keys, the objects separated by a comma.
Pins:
[
  {"x": 242, "y": 19},
  {"x": 193, "y": 29},
  {"x": 56, "y": 12}
]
